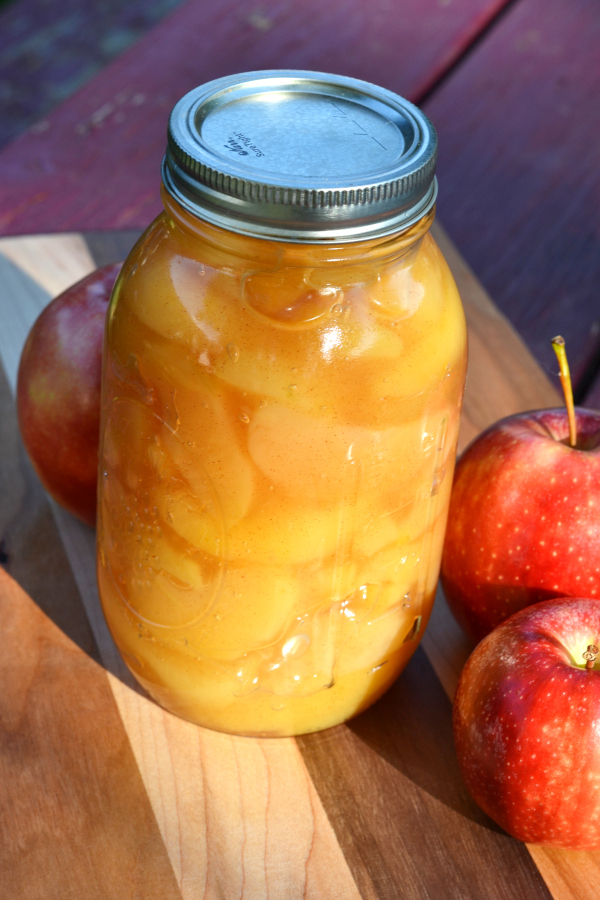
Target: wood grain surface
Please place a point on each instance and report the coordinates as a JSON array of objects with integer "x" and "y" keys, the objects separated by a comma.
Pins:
[
  {"x": 373, "y": 809},
  {"x": 390, "y": 784},
  {"x": 71, "y": 172},
  {"x": 75, "y": 820},
  {"x": 592, "y": 397},
  {"x": 518, "y": 124}
]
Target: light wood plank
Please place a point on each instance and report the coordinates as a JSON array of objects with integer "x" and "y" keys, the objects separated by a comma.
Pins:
[
  {"x": 570, "y": 875},
  {"x": 54, "y": 261}
]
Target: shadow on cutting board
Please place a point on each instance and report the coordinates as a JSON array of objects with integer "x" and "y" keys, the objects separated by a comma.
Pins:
[
  {"x": 31, "y": 550},
  {"x": 411, "y": 728}
]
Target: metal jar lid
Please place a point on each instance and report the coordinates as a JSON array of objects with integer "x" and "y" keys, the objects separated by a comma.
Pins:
[{"x": 301, "y": 156}]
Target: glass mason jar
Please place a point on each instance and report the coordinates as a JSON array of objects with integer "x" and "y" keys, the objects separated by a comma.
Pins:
[{"x": 284, "y": 364}]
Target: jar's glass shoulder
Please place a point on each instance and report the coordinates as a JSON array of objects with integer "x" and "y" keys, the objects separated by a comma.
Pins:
[{"x": 299, "y": 334}]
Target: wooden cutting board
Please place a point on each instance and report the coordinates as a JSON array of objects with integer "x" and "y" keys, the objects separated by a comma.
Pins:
[{"x": 105, "y": 795}]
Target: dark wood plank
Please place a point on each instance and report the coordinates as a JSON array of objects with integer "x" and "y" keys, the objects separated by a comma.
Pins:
[
  {"x": 75, "y": 820},
  {"x": 592, "y": 395},
  {"x": 391, "y": 788},
  {"x": 518, "y": 124},
  {"x": 48, "y": 50},
  {"x": 95, "y": 162}
]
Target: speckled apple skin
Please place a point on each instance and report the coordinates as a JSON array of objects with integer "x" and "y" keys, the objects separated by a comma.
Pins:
[
  {"x": 524, "y": 518},
  {"x": 58, "y": 392},
  {"x": 527, "y": 725}
]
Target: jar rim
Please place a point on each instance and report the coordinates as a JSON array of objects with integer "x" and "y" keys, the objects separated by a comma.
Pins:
[{"x": 321, "y": 253}]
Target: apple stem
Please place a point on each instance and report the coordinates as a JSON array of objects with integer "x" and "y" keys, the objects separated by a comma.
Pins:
[
  {"x": 590, "y": 656},
  {"x": 558, "y": 344}
]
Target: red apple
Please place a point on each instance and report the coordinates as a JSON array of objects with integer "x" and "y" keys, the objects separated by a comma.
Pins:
[
  {"x": 58, "y": 392},
  {"x": 527, "y": 724},
  {"x": 524, "y": 520}
]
